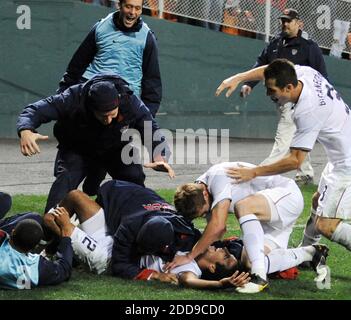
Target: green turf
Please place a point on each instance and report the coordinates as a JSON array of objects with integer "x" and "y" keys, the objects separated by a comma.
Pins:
[{"x": 84, "y": 285}]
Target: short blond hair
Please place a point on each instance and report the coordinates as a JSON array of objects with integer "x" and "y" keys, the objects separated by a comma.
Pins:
[{"x": 188, "y": 199}]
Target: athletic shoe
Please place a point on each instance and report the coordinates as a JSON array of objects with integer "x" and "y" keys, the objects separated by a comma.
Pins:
[
  {"x": 303, "y": 180},
  {"x": 320, "y": 257},
  {"x": 256, "y": 284}
]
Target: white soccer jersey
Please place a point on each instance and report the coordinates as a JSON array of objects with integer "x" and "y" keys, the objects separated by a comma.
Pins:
[
  {"x": 320, "y": 114},
  {"x": 156, "y": 263},
  {"x": 222, "y": 187}
]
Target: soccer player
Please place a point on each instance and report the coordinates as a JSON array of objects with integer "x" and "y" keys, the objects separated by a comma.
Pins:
[
  {"x": 21, "y": 269},
  {"x": 290, "y": 44},
  {"x": 109, "y": 227},
  {"x": 214, "y": 268},
  {"x": 266, "y": 209},
  {"x": 319, "y": 114},
  {"x": 95, "y": 249}
]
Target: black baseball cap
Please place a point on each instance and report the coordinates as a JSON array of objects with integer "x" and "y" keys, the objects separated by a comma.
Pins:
[
  {"x": 103, "y": 96},
  {"x": 5, "y": 204},
  {"x": 290, "y": 14},
  {"x": 156, "y": 236}
]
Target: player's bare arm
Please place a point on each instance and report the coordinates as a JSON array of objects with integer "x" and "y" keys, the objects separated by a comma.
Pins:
[
  {"x": 214, "y": 231},
  {"x": 291, "y": 162},
  {"x": 160, "y": 164},
  {"x": 28, "y": 142},
  {"x": 190, "y": 280},
  {"x": 164, "y": 277},
  {"x": 232, "y": 82}
]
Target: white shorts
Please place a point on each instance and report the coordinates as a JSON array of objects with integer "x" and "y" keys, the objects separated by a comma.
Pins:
[
  {"x": 286, "y": 204},
  {"x": 92, "y": 244},
  {"x": 335, "y": 194}
]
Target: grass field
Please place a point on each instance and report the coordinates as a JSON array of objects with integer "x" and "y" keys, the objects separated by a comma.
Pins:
[{"x": 83, "y": 285}]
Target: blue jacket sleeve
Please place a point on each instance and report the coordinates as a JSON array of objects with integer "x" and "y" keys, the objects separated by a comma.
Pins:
[
  {"x": 46, "y": 110},
  {"x": 316, "y": 60},
  {"x": 79, "y": 62},
  {"x": 262, "y": 60},
  {"x": 151, "y": 86},
  {"x": 125, "y": 260},
  {"x": 55, "y": 272}
]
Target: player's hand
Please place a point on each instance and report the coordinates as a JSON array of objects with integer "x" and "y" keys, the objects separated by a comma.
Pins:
[
  {"x": 236, "y": 280},
  {"x": 165, "y": 277},
  {"x": 161, "y": 166},
  {"x": 29, "y": 146},
  {"x": 245, "y": 91},
  {"x": 177, "y": 261},
  {"x": 62, "y": 219},
  {"x": 241, "y": 174},
  {"x": 230, "y": 84},
  {"x": 49, "y": 221}
]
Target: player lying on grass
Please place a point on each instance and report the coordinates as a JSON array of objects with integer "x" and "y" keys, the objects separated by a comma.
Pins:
[
  {"x": 266, "y": 208},
  {"x": 21, "y": 269},
  {"x": 113, "y": 222},
  {"x": 158, "y": 235},
  {"x": 279, "y": 263}
]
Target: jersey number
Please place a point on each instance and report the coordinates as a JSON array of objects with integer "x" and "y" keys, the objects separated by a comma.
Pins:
[
  {"x": 91, "y": 246},
  {"x": 330, "y": 92}
]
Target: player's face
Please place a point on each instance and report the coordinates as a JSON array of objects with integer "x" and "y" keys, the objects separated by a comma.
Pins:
[
  {"x": 290, "y": 27},
  {"x": 206, "y": 207},
  {"x": 106, "y": 117},
  {"x": 277, "y": 95},
  {"x": 221, "y": 256},
  {"x": 130, "y": 11}
]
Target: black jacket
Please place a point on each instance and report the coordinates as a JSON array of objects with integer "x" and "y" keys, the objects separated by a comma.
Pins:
[
  {"x": 127, "y": 208},
  {"x": 77, "y": 128},
  {"x": 298, "y": 50},
  {"x": 151, "y": 86}
]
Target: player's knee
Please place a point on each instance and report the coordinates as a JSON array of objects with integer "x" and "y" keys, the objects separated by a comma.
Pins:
[{"x": 315, "y": 198}]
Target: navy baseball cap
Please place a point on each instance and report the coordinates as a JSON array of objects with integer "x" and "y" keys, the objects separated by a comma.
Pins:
[
  {"x": 103, "y": 96},
  {"x": 5, "y": 204},
  {"x": 156, "y": 236},
  {"x": 290, "y": 14}
]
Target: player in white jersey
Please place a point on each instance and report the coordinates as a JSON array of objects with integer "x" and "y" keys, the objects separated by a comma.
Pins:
[
  {"x": 321, "y": 115},
  {"x": 270, "y": 203}
]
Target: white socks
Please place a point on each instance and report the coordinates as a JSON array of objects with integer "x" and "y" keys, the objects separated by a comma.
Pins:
[
  {"x": 283, "y": 259},
  {"x": 310, "y": 234},
  {"x": 342, "y": 235},
  {"x": 253, "y": 239}
]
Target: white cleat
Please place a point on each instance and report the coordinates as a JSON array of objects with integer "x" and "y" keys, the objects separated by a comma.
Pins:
[{"x": 256, "y": 285}]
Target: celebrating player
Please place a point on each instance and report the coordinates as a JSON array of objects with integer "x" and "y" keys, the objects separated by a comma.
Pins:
[
  {"x": 319, "y": 114},
  {"x": 266, "y": 209}
]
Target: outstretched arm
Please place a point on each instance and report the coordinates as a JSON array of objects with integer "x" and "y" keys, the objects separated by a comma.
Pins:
[
  {"x": 232, "y": 82},
  {"x": 190, "y": 280},
  {"x": 291, "y": 162}
]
